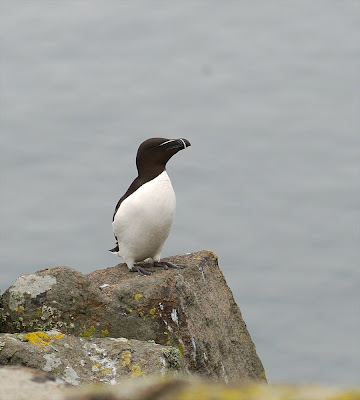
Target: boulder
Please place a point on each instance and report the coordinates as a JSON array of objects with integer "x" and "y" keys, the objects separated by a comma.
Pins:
[
  {"x": 191, "y": 309},
  {"x": 75, "y": 360}
]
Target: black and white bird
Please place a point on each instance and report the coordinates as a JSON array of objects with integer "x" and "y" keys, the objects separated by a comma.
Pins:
[{"x": 143, "y": 216}]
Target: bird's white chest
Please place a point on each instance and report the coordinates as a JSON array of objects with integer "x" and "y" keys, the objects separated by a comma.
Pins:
[
  {"x": 155, "y": 200},
  {"x": 144, "y": 219}
]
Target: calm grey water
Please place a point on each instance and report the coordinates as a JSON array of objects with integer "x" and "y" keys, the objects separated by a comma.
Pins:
[{"x": 268, "y": 95}]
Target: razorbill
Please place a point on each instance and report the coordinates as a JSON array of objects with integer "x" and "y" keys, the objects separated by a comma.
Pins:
[{"x": 144, "y": 214}]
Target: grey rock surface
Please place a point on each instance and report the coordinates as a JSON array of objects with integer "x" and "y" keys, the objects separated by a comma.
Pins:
[
  {"x": 75, "y": 360},
  {"x": 191, "y": 309},
  {"x": 57, "y": 298}
]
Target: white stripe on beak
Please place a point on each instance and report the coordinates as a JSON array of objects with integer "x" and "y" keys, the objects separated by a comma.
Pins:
[{"x": 183, "y": 143}]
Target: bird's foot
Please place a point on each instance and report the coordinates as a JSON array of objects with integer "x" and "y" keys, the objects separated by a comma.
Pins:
[
  {"x": 140, "y": 270},
  {"x": 167, "y": 265}
]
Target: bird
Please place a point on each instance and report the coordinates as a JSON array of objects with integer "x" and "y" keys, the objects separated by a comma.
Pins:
[{"x": 144, "y": 214}]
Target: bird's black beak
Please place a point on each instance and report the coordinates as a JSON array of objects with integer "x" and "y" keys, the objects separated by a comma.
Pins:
[
  {"x": 185, "y": 142},
  {"x": 178, "y": 144}
]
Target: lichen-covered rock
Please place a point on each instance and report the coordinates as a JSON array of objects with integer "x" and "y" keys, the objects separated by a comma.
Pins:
[
  {"x": 58, "y": 298},
  {"x": 77, "y": 360},
  {"x": 191, "y": 309}
]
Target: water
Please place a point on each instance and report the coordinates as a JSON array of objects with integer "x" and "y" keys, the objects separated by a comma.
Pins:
[{"x": 268, "y": 95}]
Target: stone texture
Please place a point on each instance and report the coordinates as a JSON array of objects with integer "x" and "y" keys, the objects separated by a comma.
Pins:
[
  {"x": 76, "y": 360},
  {"x": 191, "y": 309},
  {"x": 18, "y": 383},
  {"x": 58, "y": 298},
  {"x": 191, "y": 389}
]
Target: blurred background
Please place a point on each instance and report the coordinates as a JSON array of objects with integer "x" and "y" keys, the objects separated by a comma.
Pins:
[{"x": 268, "y": 95}]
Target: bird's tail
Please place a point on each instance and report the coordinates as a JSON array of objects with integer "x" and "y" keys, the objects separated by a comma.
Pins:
[{"x": 115, "y": 249}]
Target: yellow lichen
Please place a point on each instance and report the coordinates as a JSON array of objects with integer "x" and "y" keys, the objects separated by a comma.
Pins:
[
  {"x": 20, "y": 309},
  {"x": 168, "y": 342},
  {"x": 58, "y": 335},
  {"x": 152, "y": 312},
  {"x": 38, "y": 338},
  {"x": 125, "y": 358},
  {"x": 180, "y": 347},
  {"x": 213, "y": 255},
  {"x": 138, "y": 296},
  {"x": 136, "y": 371},
  {"x": 105, "y": 371},
  {"x": 88, "y": 332},
  {"x": 104, "y": 332}
]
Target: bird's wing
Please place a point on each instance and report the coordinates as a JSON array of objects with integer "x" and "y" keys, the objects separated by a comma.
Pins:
[{"x": 132, "y": 188}]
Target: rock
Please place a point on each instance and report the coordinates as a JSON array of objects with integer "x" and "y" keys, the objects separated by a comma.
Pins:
[
  {"x": 19, "y": 383},
  {"x": 77, "y": 360},
  {"x": 191, "y": 309},
  {"x": 193, "y": 389},
  {"x": 58, "y": 298},
  {"x": 24, "y": 383}
]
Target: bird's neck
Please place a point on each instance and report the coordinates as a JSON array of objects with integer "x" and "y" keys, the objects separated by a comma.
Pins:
[{"x": 148, "y": 174}]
